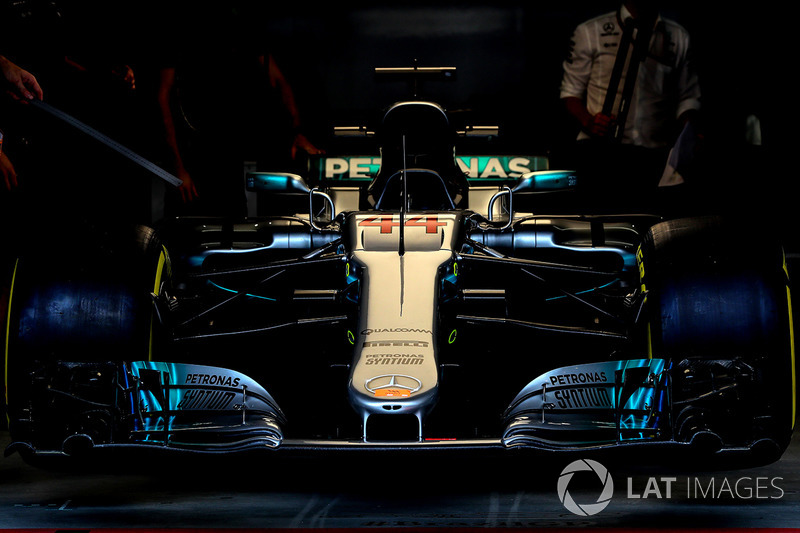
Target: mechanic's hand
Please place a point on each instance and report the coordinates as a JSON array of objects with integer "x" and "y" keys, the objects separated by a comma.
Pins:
[
  {"x": 8, "y": 172},
  {"x": 124, "y": 73},
  {"x": 599, "y": 125},
  {"x": 23, "y": 84},
  {"x": 187, "y": 189},
  {"x": 302, "y": 143}
]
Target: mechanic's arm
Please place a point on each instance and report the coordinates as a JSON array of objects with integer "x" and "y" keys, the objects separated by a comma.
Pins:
[
  {"x": 165, "y": 91},
  {"x": 23, "y": 84},
  {"x": 8, "y": 172},
  {"x": 121, "y": 73},
  {"x": 689, "y": 93},
  {"x": 279, "y": 81},
  {"x": 577, "y": 72},
  {"x": 597, "y": 125}
]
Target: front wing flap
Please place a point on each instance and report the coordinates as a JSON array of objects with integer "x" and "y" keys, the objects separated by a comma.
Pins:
[
  {"x": 191, "y": 406},
  {"x": 592, "y": 404}
]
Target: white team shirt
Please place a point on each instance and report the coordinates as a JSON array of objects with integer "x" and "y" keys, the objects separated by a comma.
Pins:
[{"x": 666, "y": 87}]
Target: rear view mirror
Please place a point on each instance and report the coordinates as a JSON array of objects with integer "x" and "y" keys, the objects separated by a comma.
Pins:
[
  {"x": 286, "y": 183},
  {"x": 547, "y": 180},
  {"x": 539, "y": 181},
  {"x": 276, "y": 182}
]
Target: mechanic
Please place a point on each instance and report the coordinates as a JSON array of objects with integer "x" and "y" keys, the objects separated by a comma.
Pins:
[
  {"x": 223, "y": 101},
  {"x": 81, "y": 52},
  {"x": 629, "y": 157},
  {"x": 21, "y": 85}
]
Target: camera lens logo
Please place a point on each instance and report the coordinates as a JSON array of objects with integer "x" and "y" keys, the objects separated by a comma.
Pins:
[{"x": 586, "y": 509}]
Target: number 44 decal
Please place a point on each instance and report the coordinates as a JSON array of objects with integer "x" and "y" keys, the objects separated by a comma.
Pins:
[{"x": 387, "y": 223}]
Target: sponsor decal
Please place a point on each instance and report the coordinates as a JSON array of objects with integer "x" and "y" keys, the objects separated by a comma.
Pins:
[
  {"x": 398, "y": 385},
  {"x": 582, "y": 397},
  {"x": 351, "y": 167},
  {"x": 370, "y": 331},
  {"x": 212, "y": 379},
  {"x": 478, "y": 167},
  {"x": 496, "y": 167},
  {"x": 578, "y": 378},
  {"x": 395, "y": 344},
  {"x": 394, "y": 359},
  {"x": 206, "y": 399}
]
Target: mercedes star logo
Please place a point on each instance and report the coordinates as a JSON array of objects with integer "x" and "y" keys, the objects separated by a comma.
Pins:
[{"x": 409, "y": 384}]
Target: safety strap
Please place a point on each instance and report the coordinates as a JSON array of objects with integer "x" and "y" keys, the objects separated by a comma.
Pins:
[
  {"x": 111, "y": 143},
  {"x": 641, "y": 47},
  {"x": 619, "y": 66}
]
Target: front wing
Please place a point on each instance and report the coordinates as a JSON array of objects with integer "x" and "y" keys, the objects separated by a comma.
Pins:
[{"x": 176, "y": 407}]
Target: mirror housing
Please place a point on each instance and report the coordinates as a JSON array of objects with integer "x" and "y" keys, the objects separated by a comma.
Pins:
[
  {"x": 547, "y": 180},
  {"x": 287, "y": 183},
  {"x": 539, "y": 181},
  {"x": 276, "y": 183}
]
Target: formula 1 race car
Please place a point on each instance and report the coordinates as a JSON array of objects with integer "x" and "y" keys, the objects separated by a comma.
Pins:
[{"x": 418, "y": 309}]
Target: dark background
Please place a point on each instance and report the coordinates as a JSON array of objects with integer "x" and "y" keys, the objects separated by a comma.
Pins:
[{"x": 508, "y": 55}]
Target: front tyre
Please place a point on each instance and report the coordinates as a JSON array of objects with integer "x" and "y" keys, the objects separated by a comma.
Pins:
[
  {"x": 718, "y": 304},
  {"x": 76, "y": 309}
]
